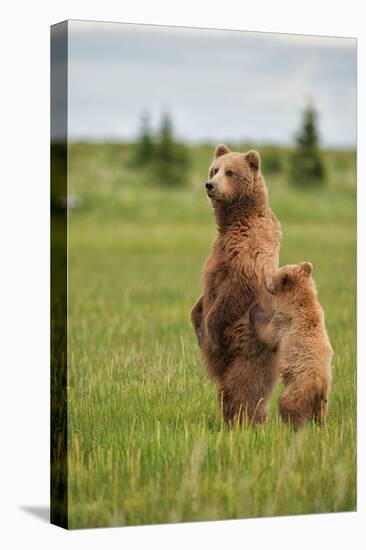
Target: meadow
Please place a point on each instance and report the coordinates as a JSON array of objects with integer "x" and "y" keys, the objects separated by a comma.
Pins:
[{"x": 145, "y": 436}]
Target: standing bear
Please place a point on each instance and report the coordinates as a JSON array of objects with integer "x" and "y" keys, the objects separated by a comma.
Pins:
[
  {"x": 294, "y": 326},
  {"x": 244, "y": 255}
]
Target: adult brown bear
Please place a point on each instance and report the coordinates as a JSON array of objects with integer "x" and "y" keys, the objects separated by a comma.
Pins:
[{"x": 244, "y": 254}]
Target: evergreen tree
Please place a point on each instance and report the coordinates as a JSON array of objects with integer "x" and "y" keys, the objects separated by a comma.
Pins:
[
  {"x": 171, "y": 158},
  {"x": 307, "y": 166}
]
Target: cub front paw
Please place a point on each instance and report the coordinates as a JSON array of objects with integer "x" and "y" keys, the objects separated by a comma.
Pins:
[{"x": 257, "y": 316}]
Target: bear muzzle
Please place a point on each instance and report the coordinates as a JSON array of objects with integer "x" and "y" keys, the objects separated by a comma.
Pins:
[{"x": 210, "y": 188}]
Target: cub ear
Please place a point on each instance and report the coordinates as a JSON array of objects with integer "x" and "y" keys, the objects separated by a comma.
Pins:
[
  {"x": 306, "y": 267},
  {"x": 287, "y": 281},
  {"x": 221, "y": 150},
  {"x": 253, "y": 159}
]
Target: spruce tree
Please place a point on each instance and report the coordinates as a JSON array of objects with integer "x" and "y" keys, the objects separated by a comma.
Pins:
[
  {"x": 171, "y": 158},
  {"x": 307, "y": 166}
]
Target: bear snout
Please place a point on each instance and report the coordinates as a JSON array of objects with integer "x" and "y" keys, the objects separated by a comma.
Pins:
[{"x": 209, "y": 187}]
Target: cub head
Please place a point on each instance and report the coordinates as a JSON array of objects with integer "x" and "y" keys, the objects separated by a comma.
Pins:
[
  {"x": 234, "y": 176},
  {"x": 291, "y": 284},
  {"x": 290, "y": 287}
]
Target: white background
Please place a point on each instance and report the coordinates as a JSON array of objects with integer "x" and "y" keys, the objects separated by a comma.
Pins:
[{"x": 24, "y": 133}]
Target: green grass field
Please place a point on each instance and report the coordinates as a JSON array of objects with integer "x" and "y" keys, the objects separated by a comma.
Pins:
[{"x": 146, "y": 440}]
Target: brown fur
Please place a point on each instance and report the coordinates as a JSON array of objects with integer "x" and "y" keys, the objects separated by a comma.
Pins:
[
  {"x": 245, "y": 251},
  {"x": 293, "y": 324}
]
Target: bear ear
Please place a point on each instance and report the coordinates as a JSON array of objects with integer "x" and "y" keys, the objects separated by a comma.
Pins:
[
  {"x": 307, "y": 268},
  {"x": 253, "y": 159},
  {"x": 221, "y": 150},
  {"x": 287, "y": 281}
]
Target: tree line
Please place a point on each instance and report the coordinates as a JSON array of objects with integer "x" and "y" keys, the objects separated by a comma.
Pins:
[{"x": 168, "y": 160}]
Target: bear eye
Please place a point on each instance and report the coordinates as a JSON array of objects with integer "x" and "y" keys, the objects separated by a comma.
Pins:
[
  {"x": 229, "y": 173},
  {"x": 213, "y": 172}
]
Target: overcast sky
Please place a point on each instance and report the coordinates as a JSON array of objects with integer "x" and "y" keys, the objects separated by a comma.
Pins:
[{"x": 217, "y": 85}]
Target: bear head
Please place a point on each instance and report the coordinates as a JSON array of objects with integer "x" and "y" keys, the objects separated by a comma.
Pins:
[
  {"x": 234, "y": 176},
  {"x": 292, "y": 289},
  {"x": 291, "y": 285}
]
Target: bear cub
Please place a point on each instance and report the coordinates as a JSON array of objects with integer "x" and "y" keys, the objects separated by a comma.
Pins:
[{"x": 293, "y": 325}]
